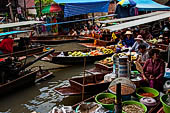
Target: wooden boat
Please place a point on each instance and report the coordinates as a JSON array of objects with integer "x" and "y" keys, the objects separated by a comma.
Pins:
[
  {"x": 91, "y": 84},
  {"x": 14, "y": 77},
  {"x": 30, "y": 51},
  {"x": 23, "y": 81},
  {"x": 58, "y": 39},
  {"x": 69, "y": 60}
]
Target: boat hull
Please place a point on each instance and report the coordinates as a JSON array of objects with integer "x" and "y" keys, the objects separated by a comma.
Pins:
[
  {"x": 78, "y": 60},
  {"x": 23, "y": 81},
  {"x": 25, "y": 52}
]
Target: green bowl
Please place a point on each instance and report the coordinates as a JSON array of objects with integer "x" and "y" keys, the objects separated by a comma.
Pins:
[
  {"x": 104, "y": 95},
  {"x": 166, "y": 108},
  {"x": 136, "y": 103},
  {"x": 147, "y": 90}
]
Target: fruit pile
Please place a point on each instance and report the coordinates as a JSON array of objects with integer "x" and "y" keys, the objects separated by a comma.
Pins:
[
  {"x": 153, "y": 41},
  {"x": 99, "y": 51},
  {"x": 107, "y": 61}
]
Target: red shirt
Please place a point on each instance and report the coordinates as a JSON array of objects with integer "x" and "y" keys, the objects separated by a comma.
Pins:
[
  {"x": 156, "y": 68},
  {"x": 6, "y": 45}
]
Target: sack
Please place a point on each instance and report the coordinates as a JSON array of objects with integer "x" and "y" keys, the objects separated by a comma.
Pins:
[{"x": 167, "y": 73}]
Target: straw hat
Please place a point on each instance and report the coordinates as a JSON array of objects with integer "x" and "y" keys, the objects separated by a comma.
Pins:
[
  {"x": 160, "y": 36},
  {"x": 166, "y": 29},
  {"x": 139, "y": 37},
  {"x": 128, "y": 33}
]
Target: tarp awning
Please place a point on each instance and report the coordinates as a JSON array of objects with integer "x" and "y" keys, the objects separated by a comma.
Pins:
[
  {"x": 19, "y": 24},
  {"x": 138, "y": 22},
  {"x": 78, "y": 1},
  {"x": 131, "y": 18},
  {"x": 78, "y": 7},
  {"x": 149, "y": 5},
  {"x": 12, "y": 32}
]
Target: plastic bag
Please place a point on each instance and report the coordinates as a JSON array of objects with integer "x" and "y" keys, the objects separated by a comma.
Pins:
[{"x": 167, "y": 73}]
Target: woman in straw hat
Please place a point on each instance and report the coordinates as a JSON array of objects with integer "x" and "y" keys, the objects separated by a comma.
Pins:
[
  {"x": 139, "y": 40},
  {"x": 129, "y": 40}
]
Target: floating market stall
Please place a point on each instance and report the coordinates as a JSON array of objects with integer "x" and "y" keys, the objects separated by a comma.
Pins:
[{"x": 17, "y": 52}]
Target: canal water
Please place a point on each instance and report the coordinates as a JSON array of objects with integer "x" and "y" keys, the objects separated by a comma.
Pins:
[{"x": 42, "y": 97}]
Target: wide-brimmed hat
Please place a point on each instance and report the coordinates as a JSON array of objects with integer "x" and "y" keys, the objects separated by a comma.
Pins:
[
  {"x": 166, "y": 29},
  {"x": 128, "y": 33},
  {"x": 139, "y": 37},
  {"x": 160, "y": 36}
]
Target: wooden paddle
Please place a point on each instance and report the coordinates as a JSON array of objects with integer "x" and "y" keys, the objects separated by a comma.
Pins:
[{"x": 139, "y": 67}]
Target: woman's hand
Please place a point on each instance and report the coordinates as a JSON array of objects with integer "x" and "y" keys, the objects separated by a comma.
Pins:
[{"x": 151, "y": 77}]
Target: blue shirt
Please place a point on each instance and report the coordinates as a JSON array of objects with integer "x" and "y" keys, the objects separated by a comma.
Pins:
[{"x": 129, "y": 42}]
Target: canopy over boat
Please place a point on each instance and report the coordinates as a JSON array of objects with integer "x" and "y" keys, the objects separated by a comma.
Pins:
[
  {"x": 132, "y": 17},
  {"x": 138, "y": 22},
  {"x": 19, "y": 24}
]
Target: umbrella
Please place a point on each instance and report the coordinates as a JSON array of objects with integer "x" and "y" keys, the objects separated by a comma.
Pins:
[
  {"x": 127, "y": 2},
  {"x": 52, "y": 9}
]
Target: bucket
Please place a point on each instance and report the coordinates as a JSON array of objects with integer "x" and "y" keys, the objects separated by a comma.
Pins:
[
  {"x": 166, "y": 108},
  {"x": 123, "y": 67}
]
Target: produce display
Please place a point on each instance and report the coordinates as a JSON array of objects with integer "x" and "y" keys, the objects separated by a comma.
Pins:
[
  {"x": 147, "y": 94},
  {"x": 153, "y": 41},
  {"x": 133, "y": 55},
  {"x": 105, "y": 50},
  {"x": 132, "y": 108},
  {"x": 125, "y": 89},
  {"x": 107, "y": 61},
  {"x": 88, "y": 107},
  {"x": 97, "y": 52},
  {"x": 107, "y": 100}
]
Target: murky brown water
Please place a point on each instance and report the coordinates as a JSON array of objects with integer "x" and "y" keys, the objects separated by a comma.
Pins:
[{"x": 41, "y": 97}]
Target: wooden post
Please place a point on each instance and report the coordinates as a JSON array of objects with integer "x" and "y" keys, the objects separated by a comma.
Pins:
[
  {"x": 10, "y": 9},
  {"x": 93, "y": 18},
  {"x": 84, "y": 78},
  {"x": 169, "y": 56},
  {"x": 40, "y": 7},
  {"x": 115, "y": 4},
  {"x": 25, "y": 9}
]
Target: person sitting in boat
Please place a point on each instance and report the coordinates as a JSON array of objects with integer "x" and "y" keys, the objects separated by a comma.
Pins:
[
  {"x": 6, "y": 45},
  {"x": 154, "y": 69},
  {"x": 139, "y": 40},
  {"x": 143, "y": 54},
  {"x": 166, "y": 35},
  {"x": 129, "y": 40},
  {"x": 72, "y": 33}
]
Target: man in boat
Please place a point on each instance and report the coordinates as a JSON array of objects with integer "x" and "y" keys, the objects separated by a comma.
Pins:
[
  {"x": 143, "y": 54},
  {"x": 6, "y": 45}
]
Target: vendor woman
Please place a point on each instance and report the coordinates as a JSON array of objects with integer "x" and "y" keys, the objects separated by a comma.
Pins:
[
  {"x": 154, "y": 69},
  {"x": 129, "y": 40}
]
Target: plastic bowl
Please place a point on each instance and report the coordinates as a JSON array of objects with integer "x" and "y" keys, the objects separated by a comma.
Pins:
[
  {"x": 136, "y": 103},
  {"x": 166, "y": 108},
  {"x": 105, "y": 95},
  {"x": 147, "y": 90}
]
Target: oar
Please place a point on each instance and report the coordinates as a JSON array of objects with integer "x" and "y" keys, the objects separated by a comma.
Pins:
[{"x": 84, "y": 77}]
